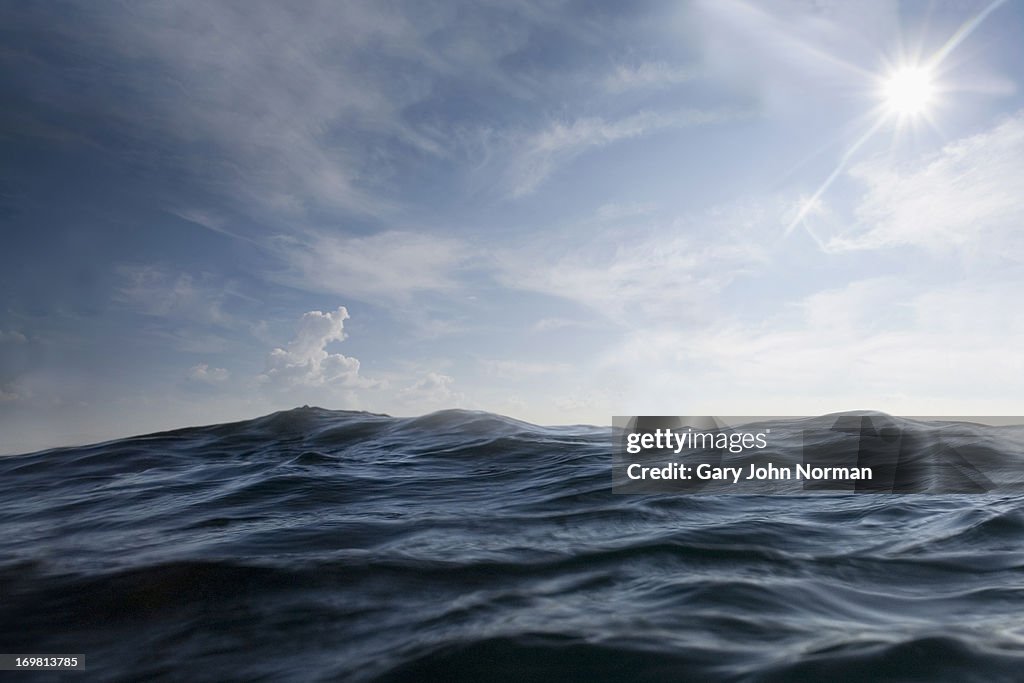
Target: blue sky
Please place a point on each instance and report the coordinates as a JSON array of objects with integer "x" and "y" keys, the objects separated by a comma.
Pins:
[{"x": 556, "y": 211}]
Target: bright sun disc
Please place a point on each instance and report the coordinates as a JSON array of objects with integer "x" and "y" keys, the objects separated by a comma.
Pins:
[{"x": 908, "y": 91}]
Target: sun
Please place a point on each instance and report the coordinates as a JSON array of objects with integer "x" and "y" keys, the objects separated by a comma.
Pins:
[{"x": 908, "y": 91}]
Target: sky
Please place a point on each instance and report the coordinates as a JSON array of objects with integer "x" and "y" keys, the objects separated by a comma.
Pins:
[{"x": 556, "y": 211}]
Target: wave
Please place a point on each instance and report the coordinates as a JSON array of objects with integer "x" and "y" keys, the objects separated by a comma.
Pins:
[{"x": 461, "y": 545}]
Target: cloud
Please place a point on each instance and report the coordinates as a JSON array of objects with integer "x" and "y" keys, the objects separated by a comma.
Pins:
[
  {"x": 209, "y": 220},
  {"x": 548, "y": 324},
  {"x": 966, "y": 194},
  {"x": 280, "y": 110},
  {"x": 196, "y": 313},
  {"x": 517, "y": 369},
  {"x": 646, "y": 273},
  {"x": 161, "y": 293},
  {"x": 285, "y": 108},
  {"x": 432, "y": 389},
  {"x": 542, "y": 152},
  {"x": 581, "y": 401},
  {"x": 386, "y": 266},
  {"x": 204, "y": 374},
  {"x": 12, "y": 337},
  {"x": 879, "y": 343},
  {"x": 790, "y": 51},
  {"x": 647, "y": 75},
  {"x": 614, "y": 212},
  {"x": 305, "y": 362}
]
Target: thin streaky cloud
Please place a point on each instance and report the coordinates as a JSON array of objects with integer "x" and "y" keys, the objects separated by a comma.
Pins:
[
  {"x": 648, "y": 75},
  {"x": 560, "y": 142}
]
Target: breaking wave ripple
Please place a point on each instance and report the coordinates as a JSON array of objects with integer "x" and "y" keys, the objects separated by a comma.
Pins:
[{"x": 464, "y": 546}]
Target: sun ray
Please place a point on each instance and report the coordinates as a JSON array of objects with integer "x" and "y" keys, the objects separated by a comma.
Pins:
[
  {"x": 961, "y": 34},
  {"x": 908, "y": 91},
  {"x": 847, "y": 155}
]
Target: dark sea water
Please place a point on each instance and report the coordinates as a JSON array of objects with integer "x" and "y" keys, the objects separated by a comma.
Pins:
[{"x": 463, "y": 546}]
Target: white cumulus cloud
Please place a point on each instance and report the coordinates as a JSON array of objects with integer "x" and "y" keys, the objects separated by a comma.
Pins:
[{"x": 305, "y": 361}]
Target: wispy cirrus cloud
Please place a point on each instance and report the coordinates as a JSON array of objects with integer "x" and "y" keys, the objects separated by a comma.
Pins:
[
  {"x": 539, "y": 154},
  {"x": 384, "y": 267},
  {"x": 776, "y": 52},
  {"x": 624, "y": 78},
  {"x": 282, "y": 108},
  {"x": 968, "y": 193},
  {"x": 195, "y": 312},
  {"x": 647, "y": 272},
  {"x": 163, "y": 293}
]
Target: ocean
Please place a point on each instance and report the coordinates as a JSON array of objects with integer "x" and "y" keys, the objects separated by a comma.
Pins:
[{"x": 314, "y": 545}]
